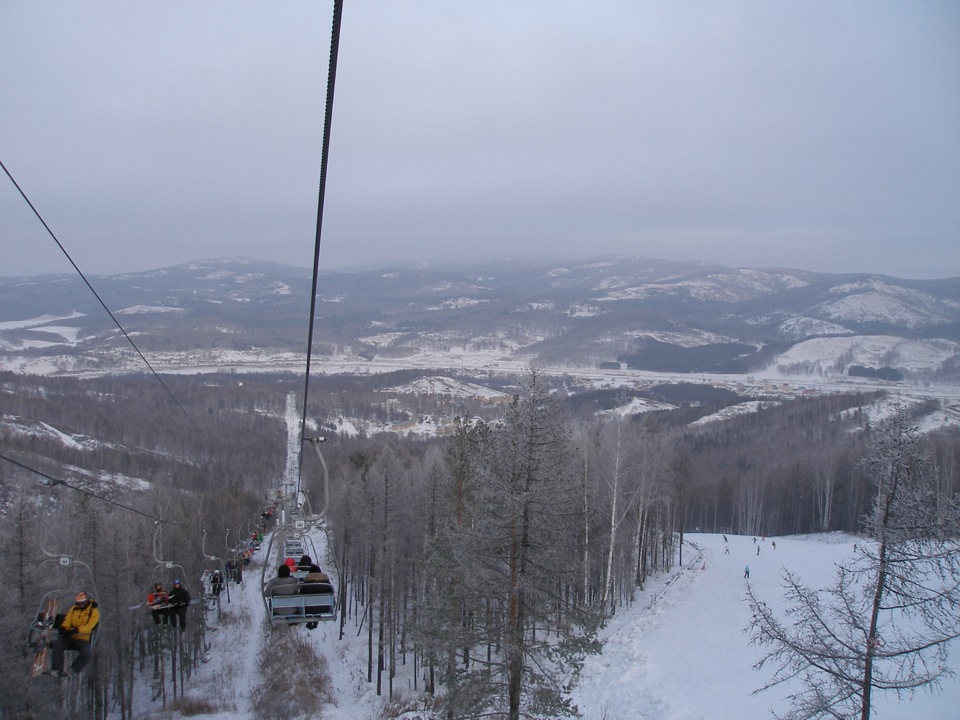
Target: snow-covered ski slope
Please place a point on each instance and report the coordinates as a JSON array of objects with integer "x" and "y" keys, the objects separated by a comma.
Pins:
[
  {"x": 678, "y": 653},
  {"x": 687, "y": 657}
]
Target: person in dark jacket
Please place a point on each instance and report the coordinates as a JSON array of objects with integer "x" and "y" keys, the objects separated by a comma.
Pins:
[
  {"x": 307, "y": 564},
  {"x": 76, "y": 631},
  {"x": 179, "y": 602},
  {"x": 282, "y": 584},
  {"x": 216, "y": 582}
]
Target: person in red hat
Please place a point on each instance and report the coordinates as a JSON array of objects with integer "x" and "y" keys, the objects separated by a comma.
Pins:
[{"x": 75, "y": 632}]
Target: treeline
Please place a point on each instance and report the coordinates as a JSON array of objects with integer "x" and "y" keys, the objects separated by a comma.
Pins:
[{"x": 794, "y": 467}]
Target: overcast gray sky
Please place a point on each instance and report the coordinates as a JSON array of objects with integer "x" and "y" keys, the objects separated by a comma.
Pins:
[{"x": 819, "y": 135}]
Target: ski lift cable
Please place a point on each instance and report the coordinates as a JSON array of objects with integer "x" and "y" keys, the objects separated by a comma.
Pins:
[
  {"x": 324, "y": 153},
  {"x": 65, "y": 484},
  {"x": 100, "y": 299}
]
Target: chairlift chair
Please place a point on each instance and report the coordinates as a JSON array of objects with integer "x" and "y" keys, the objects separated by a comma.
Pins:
[
  {"x": 312, "y": 602},
  {"x": 72, "y": 577}
]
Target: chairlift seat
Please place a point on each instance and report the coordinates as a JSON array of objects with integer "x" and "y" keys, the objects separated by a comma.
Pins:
[{"x": 311, "y": 607}]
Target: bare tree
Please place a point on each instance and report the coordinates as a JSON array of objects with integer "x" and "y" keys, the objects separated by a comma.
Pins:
[
  {"x": 649, "y": 533},
  {"x": 823, "y": 480},
  {"x": 627, "y": 463},
  {"x": 886, "y": 621}
]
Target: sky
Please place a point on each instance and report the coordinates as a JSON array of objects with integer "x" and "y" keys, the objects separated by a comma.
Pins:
[{"x": 822, "y": 135}]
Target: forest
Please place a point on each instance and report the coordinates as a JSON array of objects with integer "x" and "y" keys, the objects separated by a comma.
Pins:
[{"x": 488, "y": 554}]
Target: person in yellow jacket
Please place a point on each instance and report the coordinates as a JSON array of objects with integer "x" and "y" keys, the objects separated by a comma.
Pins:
[{"x": 75, "y": 631}]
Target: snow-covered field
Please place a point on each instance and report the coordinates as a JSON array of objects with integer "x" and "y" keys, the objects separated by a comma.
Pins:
[{"x": 677, "y": 653}]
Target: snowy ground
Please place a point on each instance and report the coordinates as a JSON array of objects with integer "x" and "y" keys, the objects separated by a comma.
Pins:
[{"x": 678, "y": 653}]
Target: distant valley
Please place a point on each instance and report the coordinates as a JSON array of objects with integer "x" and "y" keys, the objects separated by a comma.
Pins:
[{"x": 609, "y": 314}]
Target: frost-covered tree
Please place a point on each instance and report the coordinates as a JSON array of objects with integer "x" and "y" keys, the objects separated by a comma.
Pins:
[
  {"x": 504, "y": 563},
  {"x": 886, "y": 621},
  {"x": 532, "y": 503},
  {"x": 446, "y": 631}
]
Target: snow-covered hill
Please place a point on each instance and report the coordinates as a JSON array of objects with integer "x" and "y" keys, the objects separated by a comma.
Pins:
[
  {"x": 877, "y": 300},
  {"x": 833, "y": 355}
]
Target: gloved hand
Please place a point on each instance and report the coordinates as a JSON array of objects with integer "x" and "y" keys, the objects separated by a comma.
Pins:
[{"x": 72, "y": 631}]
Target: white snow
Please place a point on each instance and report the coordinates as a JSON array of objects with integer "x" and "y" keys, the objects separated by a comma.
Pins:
[
  {"x": 834, "y": 354},
  {"x": 744, "y": 408},
  {"x": 37, "y": 321},
  {"x": 439, "y": 385},
  {"x": 946, "y": 416},
  {"x": 66, "y": 439},
  {"x": 216, "y": 274},
  {"x": 68, "y": 333},
  {"x": 636, "y": 406},
  {"x": 460, "y": 302},
  {"x": 37, "y": 428},
  {"x": 41, "y": 324},
  {"x": 142, "y": 309}
]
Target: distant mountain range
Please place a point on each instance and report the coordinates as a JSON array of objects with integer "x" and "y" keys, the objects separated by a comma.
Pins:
[{"x": 610, "y": 312}]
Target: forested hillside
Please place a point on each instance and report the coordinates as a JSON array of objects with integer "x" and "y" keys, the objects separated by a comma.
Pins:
[{"x": 546, "y": 510}]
